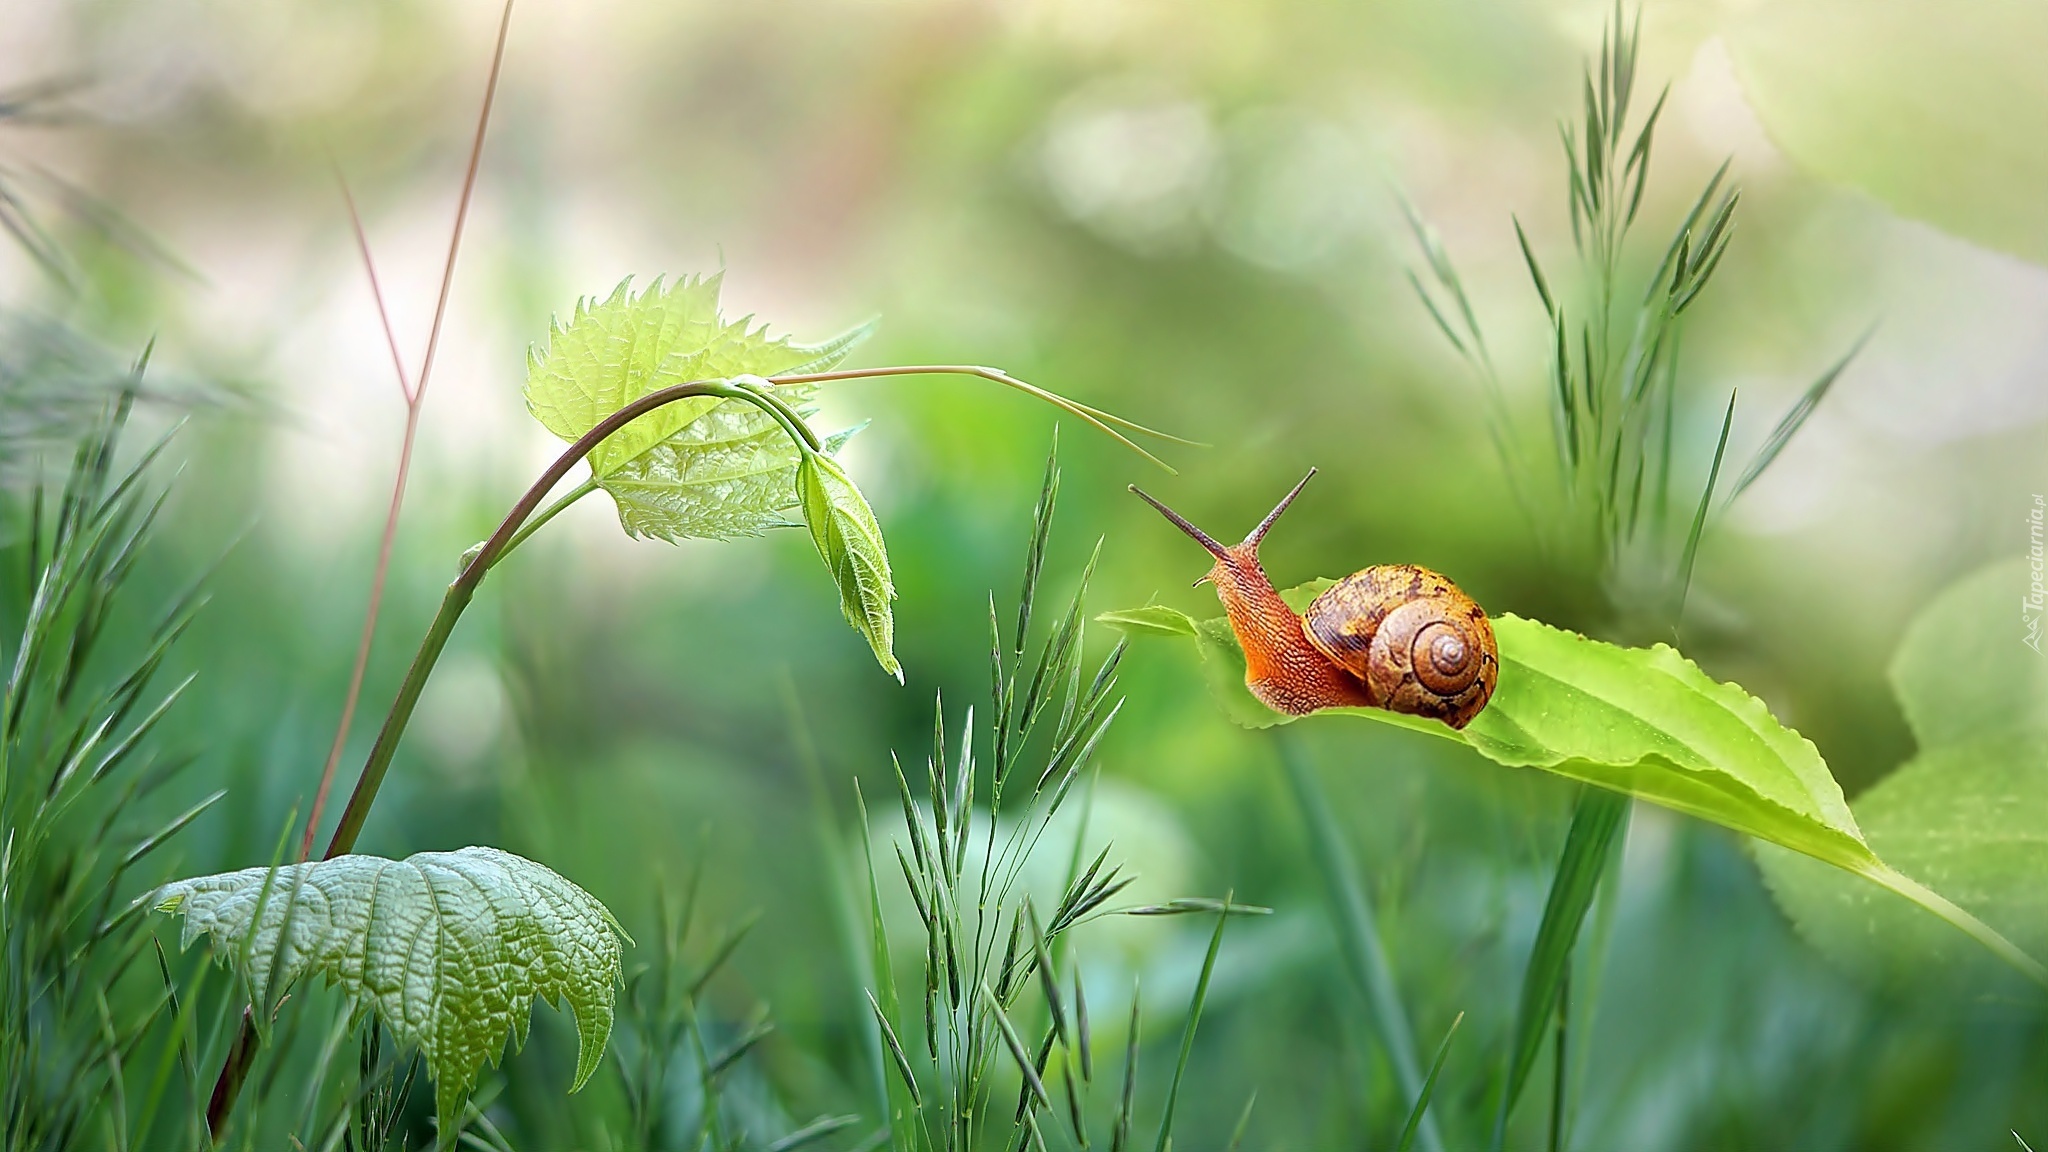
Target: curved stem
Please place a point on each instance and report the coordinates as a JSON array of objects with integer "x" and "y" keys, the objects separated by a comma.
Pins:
[
  {"x": 509, "y": 530},
  {"x": 800, "y": 433},
  {"x": 549, "y": 513},
  {"x": 1105, "y": 422},
  {"x": 464, "y": 588}
]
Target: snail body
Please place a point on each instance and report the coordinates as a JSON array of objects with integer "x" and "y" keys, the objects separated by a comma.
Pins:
[{"x": 1394, "y": 636}]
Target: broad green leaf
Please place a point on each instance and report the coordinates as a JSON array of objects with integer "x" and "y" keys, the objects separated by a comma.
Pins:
[
  {"x": 448, "y": 949},
  {"x": 1968, "y": 816},
  {"x": 1645, "y": 722},
  {"x": 1934, "y": 109},
  {"x": 1964, "y": 667},
  {"x": 702, "y": 467},
  {"x": 1969, "y": 820},
  {"x": 850, "y": 541}
]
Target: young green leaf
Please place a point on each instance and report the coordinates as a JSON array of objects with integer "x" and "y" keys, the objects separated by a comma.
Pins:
[
  {"x": 850, "y": 541},
  {"x": 706, "y": 467},
  {"x": 730, "y": 474},
  {"x": 448, "y": 949}
]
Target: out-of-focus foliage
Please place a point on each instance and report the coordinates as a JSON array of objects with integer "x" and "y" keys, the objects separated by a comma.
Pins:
[
  {"x": 1930, "y": 108},
  {"x": 1968, "y": 815}
]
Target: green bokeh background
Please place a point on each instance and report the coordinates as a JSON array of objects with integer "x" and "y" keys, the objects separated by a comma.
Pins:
[{"x": 1185, "y": 213}]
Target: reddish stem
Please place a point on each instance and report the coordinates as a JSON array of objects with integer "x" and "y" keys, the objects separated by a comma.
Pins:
[{"x": 415, "y": 396}]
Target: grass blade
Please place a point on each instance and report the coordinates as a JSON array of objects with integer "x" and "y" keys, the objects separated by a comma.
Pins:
[
  {"x": 1699, "y": 516},
  {"x": 1018, "y": 1052},
  {"x": 1595, "y": 821},
  {"x": 1041, "y": 530},
  {"x": 1535, "y": 269},
  {"x": 1120, "y": 1137},
  {"x": 1795, "y": 418},
  {"x": 1244, "y": 1121},
  {"x": 1421, "y": 1108},
  {"x": 1187, "y": 1036}
]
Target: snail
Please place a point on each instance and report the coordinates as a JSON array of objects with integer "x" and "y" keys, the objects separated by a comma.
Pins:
[{"x": 1393, "y": 636}]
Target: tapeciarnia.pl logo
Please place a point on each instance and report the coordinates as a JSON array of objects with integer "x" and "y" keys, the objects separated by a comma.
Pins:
[{"x": 2037, "y": 596}]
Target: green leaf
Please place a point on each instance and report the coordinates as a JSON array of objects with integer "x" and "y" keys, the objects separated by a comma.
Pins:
[
  {"x": 706, "y": 467},
  {"x": 1968, "y": 816},
  {"x": 1969, "y": 820},
  {"x": 1645, "y": 722},
  {"x": 1929, "y": 108},
  {"x": 850, "y": 541},
  {"x": 1151, "y": 620},
  {"x": 730, "y": 474},
  {"x": 1964, "y": 668},
  {"x": 448, "y": 949}
]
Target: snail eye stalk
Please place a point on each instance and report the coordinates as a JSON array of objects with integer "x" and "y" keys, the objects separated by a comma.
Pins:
[{"x": 1181, "y": 522}]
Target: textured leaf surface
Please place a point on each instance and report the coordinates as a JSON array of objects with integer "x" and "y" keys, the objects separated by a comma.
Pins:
[
  {"x": 1934, "y": 109},
  {"x": 1967, "y": 816},
  {"x": 449, "y": 949},
  {"x": 730, "y": 474},
  {"x": 696, "y": 468},
  {"x": 850, "y": 541}
]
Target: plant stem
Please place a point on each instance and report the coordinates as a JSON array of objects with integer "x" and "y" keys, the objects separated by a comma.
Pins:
[
  {"x": 549, "y": 513},
  {"x": 1104, "y": 422},
  {"x": 415, "y": 398},
  {"x": 464, "y": 588},
  {"x": 509, "y": 534},
  {"x": 1948, "y": 910}
]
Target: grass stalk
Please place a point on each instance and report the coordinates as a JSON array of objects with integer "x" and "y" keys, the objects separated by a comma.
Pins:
[{"x": 1357, "y": 933}]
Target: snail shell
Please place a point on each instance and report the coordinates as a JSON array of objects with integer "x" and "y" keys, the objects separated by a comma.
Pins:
[{"x": 1416, "y": 642}]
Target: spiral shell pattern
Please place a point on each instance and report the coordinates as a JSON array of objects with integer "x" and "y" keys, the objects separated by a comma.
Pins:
[{"x": 1416, "y": 642}]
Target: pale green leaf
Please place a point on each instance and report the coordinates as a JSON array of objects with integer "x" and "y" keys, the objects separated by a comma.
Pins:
[
  {"x": 850, "y": 541},
  {"x": 1964, "y": 667},
  {"x": 730, "y": 474},
  {"x": 1968, "y": 816},
  {"x": 1969, "y": 820},
  {"x": 448, "y": 949},
  {"x": 617, "y": 350},
  {"x": 1933, "y": 109}
]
